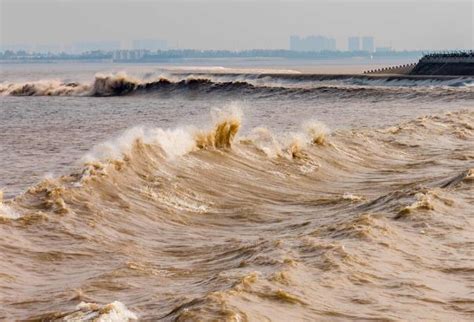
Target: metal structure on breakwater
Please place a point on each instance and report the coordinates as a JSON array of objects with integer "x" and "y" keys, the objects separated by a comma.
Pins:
[{"x": 398, "y": 69}]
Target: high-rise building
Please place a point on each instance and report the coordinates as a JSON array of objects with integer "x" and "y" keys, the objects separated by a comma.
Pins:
[
  {"x": 312, "y": 43},
  {"x": 353, "y": 43},
  {"x": 368, "y": 44},
  {"x": 294, "y": 42}
]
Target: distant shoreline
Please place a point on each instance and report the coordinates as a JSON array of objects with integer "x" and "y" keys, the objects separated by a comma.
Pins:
[{"x": 176, "y": 56}]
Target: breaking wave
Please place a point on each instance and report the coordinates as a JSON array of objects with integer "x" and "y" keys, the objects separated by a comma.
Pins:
[
  {"x": 293, "y": 86},
  {"x": 192, "y": 223}
]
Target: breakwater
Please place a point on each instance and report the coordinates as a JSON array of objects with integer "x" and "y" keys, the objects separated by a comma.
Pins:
[
  {"x": 448, "y": 63},
  {"x": 439, "y": 64}
]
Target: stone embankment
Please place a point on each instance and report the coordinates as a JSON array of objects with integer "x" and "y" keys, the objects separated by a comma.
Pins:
[{"x": 435, "y": 64}]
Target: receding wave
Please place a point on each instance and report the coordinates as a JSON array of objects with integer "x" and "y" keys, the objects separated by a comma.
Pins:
[
  {"x": 210, "y": 223},
  {"x": 299, "y": 86}
]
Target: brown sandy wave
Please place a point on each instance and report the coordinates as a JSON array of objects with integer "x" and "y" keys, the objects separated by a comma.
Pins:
[
  {"x": 212, "y": 224},
  {"x": 121, "y": 84}
]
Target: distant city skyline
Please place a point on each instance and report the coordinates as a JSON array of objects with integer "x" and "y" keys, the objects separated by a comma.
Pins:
[
  {"x": 368, "y": 44},
  {"x": 232, "y": 25},
  {"x": 312, "y": 43},
  {"x": 297, "y": 43},
  {"x": 353, "y": 43},
  {"x": 82, "y": 46}
]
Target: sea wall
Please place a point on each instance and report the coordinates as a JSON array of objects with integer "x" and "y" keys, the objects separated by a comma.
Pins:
[
  {"x": 444, "y": 67},
  {"x": 447, "y": 60},
  {"x": 442, "y": 64}
]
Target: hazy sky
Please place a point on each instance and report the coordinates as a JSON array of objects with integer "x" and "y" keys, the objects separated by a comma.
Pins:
[{"x": 206, "y": 24}]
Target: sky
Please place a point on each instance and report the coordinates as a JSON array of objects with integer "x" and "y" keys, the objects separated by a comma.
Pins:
[{"x": 238, "y": 25}]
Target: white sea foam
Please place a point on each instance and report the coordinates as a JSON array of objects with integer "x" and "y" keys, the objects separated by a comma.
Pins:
[
  {"x": 265, "y": 141},
  {"x": 317, "y": 131},
  {"x": 174, "y": 142},
  {"x": 232, "y": 111},
  {"x": 50, "y": 87},
  {"x": 6, "y": 211},
  {"x": 351, "y": 197},
  {"x": 289, "y": 144},
  {"x": 113, "y": 312}
]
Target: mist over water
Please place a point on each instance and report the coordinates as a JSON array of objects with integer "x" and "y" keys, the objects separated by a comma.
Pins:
[{"x": 209, "y": 193}]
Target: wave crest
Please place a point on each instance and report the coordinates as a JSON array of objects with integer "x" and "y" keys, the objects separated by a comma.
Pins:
[
  {"x": 310, "y": 86},
  {"x": 227, "y": 124}
]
